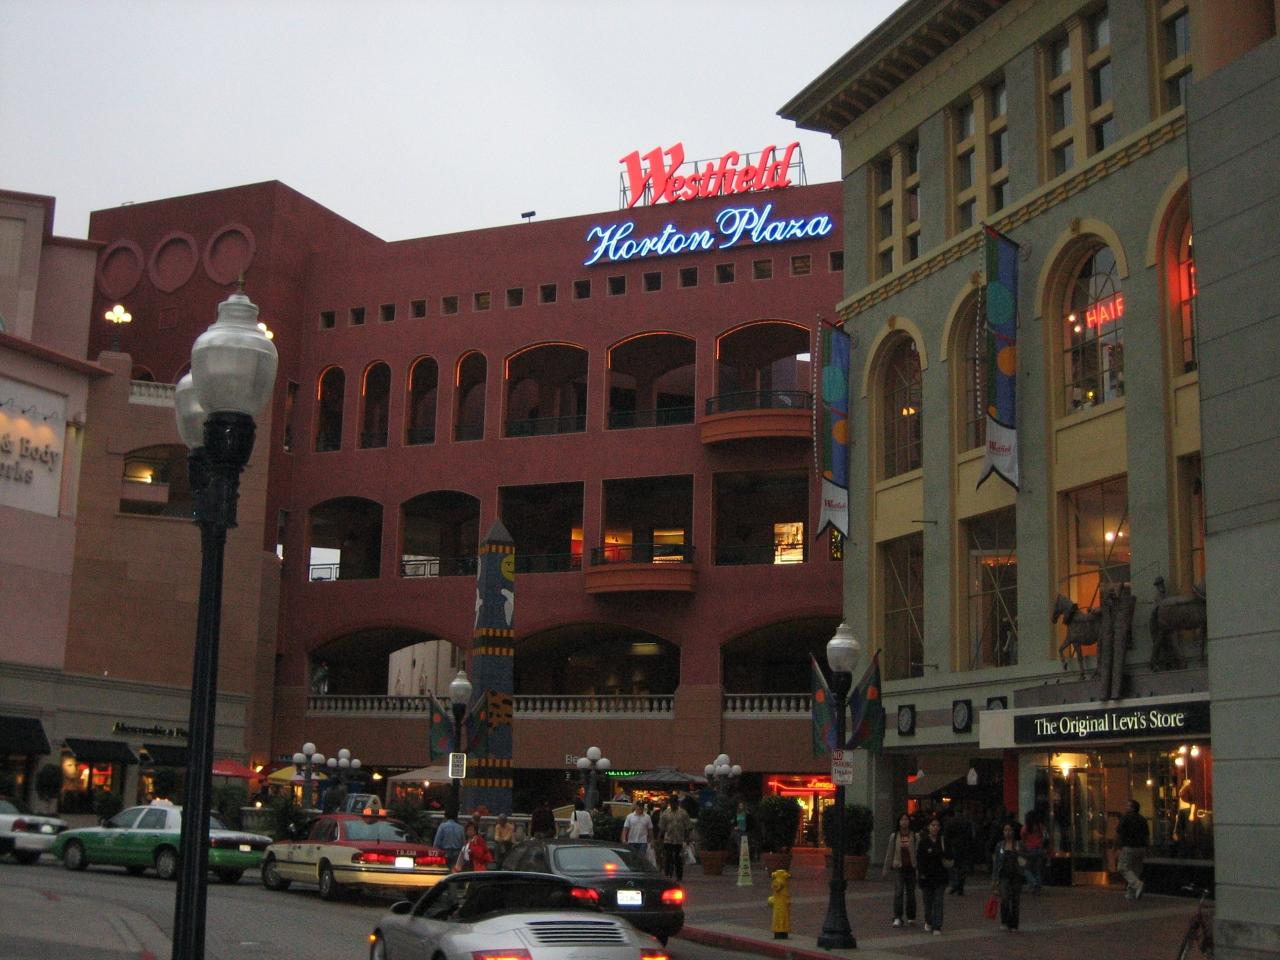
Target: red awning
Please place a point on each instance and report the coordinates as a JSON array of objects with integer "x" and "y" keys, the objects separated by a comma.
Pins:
[{"x": 234, "y": 768}]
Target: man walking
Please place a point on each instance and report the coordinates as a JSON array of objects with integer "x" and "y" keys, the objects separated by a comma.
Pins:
[
  {"x": 1134, "y": 838},
  {"x": 675, "y": 827},
  {"x": 450, "y": 836},
  {"x": 637, "y": 830}
]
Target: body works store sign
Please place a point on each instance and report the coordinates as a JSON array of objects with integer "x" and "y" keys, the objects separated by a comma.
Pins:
[
  {"x": 658, "y": 176},
  {"x": 1165, "y": 720}
]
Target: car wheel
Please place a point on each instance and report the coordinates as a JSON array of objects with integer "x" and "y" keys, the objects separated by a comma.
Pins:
[
  {"x": 271, "y": 878},
  {"x": 230, "y": 876},
  {"x": 167, "y": 863},
  {"x": 73, "y": 857},
  {"x": 26, "y": 857},
  {"x": 329, "y": 888}
]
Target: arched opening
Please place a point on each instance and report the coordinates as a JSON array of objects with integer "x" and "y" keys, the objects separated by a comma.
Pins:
[
  {"x": 330, "y": 396},
  {"x": 473, "y": 373},
  {"x": 775, "y": 658},
  {"x": 390, "y": 661},
  {"x": 901, "y": 426},
  {"x": 139, "y": 372},
  {"x": 763, "y": 365},
  {"x": 421, "y": 418},
  {"x": 155, "y": 482},
  {"x": 439, "y": 534},
  {"x": 346, "y": 539},
  {"x": 1092, "y": 328},
  {"x": 651, "y": 381},
  {"x": 546, "y": 390},
  {"x": 375, "y": 398},
  {"x": 596, "y": 660}
]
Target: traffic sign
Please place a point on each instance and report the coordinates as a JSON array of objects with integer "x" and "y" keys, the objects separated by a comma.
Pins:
[
  {"x": 842, "y": 767},
  {"x": 457, "y": 766}
]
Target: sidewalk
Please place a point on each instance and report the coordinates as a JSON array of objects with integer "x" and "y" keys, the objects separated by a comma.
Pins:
[
  {"x": 1061, "y": 923},
  {"x": 41, "y": 925}
]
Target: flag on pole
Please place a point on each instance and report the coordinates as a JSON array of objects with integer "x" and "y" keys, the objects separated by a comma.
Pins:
[
  {"x": 867, "y": 709},
  {"x": 822, "y": 711},
  {"x": 440, "y": 731},
  {"x": 1001, "y": 302},
  {"x": 831, "y": 418},
  {"x": 477, "y": 726}
]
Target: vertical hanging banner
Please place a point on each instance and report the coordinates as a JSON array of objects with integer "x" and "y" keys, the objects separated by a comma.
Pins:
[
  {"x": 831, "y": 418},
  {"x": 488, "y": 782},
  {"x": 822, "y": 711},
  {"x": 1002, "y": 357}
]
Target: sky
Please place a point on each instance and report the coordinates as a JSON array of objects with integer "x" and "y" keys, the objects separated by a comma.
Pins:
[{"x": 408, "y": 118}]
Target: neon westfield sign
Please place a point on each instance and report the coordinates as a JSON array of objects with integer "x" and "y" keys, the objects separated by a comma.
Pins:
[{"x": 720, "y": 178}]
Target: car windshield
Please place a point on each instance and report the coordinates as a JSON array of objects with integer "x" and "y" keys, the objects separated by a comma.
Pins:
[
  {"x": 216, "y": 824},
  {"x": 576, "y": 861},
  {"x": 491, "y": 897},
  {"x": 388, "y": 830},
  {"x": 7, "y": 807}
]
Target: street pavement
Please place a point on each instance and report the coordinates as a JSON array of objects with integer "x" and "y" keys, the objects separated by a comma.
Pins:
[{"x": 1060, "y": 923}]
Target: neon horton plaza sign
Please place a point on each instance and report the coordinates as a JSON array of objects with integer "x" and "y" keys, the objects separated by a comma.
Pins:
[{"x": 660, "y": 181}]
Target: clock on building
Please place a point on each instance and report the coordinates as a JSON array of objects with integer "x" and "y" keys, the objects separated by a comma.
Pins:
[
  {"x": 961, "y": 716},
  {"x": 907, "y": 720}
]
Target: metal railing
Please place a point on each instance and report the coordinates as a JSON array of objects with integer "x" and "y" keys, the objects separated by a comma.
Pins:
[
  {"x": 548, "y": 562},
  {"x": 770, "y": 553},
  {"x": 370, "y": 703},
  {"x": 769, "y": 706},
  {"x": 642, "y": 553},
  {"x": 565, "y": 707},
  {"x": 438, "y": 567},
  {"x": 760, "y": 400},
  {"x": 547, "y": 426},
  {"x": 669, "y": 417}
]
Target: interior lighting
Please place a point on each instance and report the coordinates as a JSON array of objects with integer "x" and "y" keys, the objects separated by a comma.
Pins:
[{"x": 1195, "y": 751}]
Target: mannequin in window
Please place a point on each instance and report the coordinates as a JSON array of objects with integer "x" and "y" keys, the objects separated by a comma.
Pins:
[{"x": 1186, "y": 811}]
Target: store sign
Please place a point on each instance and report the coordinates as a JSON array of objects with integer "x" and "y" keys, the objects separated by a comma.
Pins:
[
  {"x": 1106, "y": 310},
  {"x": 32, "y": 425},
  {"x": 178, "y": 733},
  {"x": 734, "y": 226},
  {"x": 662, "y": 181},
  {"x": 1173, "y": 720}
]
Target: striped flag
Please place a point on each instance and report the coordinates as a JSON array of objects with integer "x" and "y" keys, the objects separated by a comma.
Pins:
[
  {"x": 831, "y": 428},
  {"x": 440, "y": 731},
  {"x": 867, "y": 728},
  {"x": 1002, "y": 357}
]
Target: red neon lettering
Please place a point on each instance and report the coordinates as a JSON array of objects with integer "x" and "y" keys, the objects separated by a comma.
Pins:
[
  {"x": 656, "y": 175},
  {"x": 718, "y": 178},
  {"x": 1105, "y": 311}
]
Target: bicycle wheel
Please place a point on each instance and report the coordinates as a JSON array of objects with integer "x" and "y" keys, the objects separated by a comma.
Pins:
[{"x": 1184, "y": 952}]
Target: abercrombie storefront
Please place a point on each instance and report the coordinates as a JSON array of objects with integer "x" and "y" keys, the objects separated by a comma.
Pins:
[{"x": 1079, "y": 765}]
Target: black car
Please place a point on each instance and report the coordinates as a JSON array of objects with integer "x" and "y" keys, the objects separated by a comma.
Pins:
[{"x": 629, "y": 886}]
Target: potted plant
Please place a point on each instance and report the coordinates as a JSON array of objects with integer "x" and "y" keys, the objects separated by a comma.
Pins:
[
  {"x": 779, "y": 819},
  {"x": 715, "y": 828},
  {"x": 858, "y": 822}
]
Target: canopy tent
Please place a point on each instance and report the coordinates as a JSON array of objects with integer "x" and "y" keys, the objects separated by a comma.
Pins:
[
  {"x": 666, "y": 777},
  {"x": 291, "y": 774},
  {"x": 428, "y": 774},
  {"x": 234, "y": 769},
  {"x": 931, "y": 783}
]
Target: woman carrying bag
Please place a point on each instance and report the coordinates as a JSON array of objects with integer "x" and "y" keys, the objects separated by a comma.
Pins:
[
  {"x": 1006, "y": 875},
  {"x": 900, "y": 857}
]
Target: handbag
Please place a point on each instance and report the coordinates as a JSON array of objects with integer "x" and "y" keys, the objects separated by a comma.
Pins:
[
  {"x": 992, "y": 909},
  {"x": 689, "y": 855}
]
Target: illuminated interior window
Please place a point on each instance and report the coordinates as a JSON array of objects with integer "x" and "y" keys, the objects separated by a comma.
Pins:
[
  {"x": 1097, "y": 541},
  {"x": 992, "y": 595},
  {"x": 1093, "y": 333},
  {"x": 788, "y": 542},
  {"x": 901, "y": 409}
]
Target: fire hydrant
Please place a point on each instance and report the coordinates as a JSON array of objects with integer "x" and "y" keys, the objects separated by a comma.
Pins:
[{"x": 781, "y": 903}]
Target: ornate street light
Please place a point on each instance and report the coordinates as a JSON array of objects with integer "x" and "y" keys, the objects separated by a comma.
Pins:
[
  {"x": 842, "y": 656},
  {"x": 117, "y": 316},
  {"x": 459, "y": 697},
  {"x": 343, "y": 765},
  {"x": 306, "y": 759},
  {"x": 722, "y": 774},
  {"x": 588, "y": 765},
  {"x": 233, "y": 371}
]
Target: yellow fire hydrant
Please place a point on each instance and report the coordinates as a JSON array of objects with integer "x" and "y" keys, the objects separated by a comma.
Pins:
[{"x": 781, "y": 902}]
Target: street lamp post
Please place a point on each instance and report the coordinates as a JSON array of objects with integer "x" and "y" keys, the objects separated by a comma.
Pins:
[
  {"x": 459, "y": 697},
  {"x": 593, "y": 761},
  {"x": 306, "y": 760},
  {"x": 722, "y": 774},
  {"x": 117, "y": 316},
  {"x": 233, "y": 371},
  {"x": 842, "y": 655},
  {"x": 342, "y": 766}
]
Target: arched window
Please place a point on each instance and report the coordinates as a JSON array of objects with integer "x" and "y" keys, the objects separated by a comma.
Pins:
[
  {"x": 1184, "y": 291},
  {"x": 330, "y": 394},
  {"x": 971, "y": 352},
  {"x": 375, "y": 396},
  {"x": 901, "y": 401},
  {"x": 1093, "y": 333},
  {"x": 473, "y": 372},
  {"x": 421, "y": 417}
]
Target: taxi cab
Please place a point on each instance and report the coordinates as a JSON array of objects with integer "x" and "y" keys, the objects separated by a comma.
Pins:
[
  {"x": 337, "y": 851},
  {"x": 149, "y": 836}
]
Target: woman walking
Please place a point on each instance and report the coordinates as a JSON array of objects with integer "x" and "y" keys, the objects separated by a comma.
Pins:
[
  {"x": 1034, "y": 842},
  {"x": 900, "y": 857},
  {"x": 932, "y": 857},
  {"x": 1006, "y": 875}
]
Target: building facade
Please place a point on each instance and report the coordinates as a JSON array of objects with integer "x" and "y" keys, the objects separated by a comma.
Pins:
[{"x": 1063, "y": 126}]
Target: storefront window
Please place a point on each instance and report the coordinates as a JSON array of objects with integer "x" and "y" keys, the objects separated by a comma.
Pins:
[
  {"x": 1098, "y": 548},
  {"x": 1093, "y": 334}
]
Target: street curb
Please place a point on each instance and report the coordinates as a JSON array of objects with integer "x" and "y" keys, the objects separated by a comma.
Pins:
[{"x": 781, "y": 949}]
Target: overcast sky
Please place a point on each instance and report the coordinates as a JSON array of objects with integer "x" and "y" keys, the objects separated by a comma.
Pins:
[{"x": 408, "y": 118}]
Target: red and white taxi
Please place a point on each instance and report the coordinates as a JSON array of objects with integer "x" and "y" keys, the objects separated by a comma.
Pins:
[{"x": 342, "y": 850}]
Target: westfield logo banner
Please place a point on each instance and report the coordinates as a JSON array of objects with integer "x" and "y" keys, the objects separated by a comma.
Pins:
[{"x": 656, "y": 175}]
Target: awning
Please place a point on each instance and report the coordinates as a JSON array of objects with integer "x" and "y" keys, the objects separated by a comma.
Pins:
[
  {"x": 164, "y": 755},
  {"x": 931, "y": 783},
  {"x": 22, "y": 735},
  {"x": 234, "y": 769},
  {"x": 666, "y": 777},
  {"x": 291, "y": 774},
  {"x": 110, "y": 751},
  {"x": 432, "y": 774}
]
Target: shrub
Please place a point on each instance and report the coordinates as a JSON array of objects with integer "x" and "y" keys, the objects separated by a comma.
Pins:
[
  {"x": 604, "y": 826},
  {"x": 287, "y": 816},
  {"x": 106, "y": 805},
  {"x": 227, "y": 801},
  {"x": 858, "y": 822},
  {"x": 779, "y": 819},
  {"x": 48, "y": 782},
  {"x": 164, "y": 783},
  {"x": 715, "y": 825}
]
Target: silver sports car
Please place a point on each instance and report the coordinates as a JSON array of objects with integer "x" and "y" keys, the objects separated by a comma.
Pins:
[{"x": 507, "y": 915}]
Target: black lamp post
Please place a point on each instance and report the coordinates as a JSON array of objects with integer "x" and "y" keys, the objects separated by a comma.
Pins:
[
  {"x": 593, "y": 761},
  {"x": 306, "y": 760},
  {"x": 233, "y": 370},
  {"x": 722, "y": 774},
  {"x": 459, "y": 697},
  {"x": 842, "y": 655}
]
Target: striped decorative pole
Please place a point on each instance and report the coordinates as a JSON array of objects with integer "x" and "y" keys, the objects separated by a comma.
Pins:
[{"x": 492, "y": 669}]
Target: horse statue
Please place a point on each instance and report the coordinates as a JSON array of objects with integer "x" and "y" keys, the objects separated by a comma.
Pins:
[
  {"x": 1083, "y": 628},
  {"x": 1171, "y": 614},
  {"x": 1109, "y": 626}
]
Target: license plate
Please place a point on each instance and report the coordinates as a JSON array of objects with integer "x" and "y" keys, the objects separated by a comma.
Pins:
[
  {"x": 404, "y": 863},
  {"x": 630, "y": 898},
  {"x": 245, "y": 848}
]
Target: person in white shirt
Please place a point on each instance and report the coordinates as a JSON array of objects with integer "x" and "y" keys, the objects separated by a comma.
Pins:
[
  {"x": 580, "y": 824},
  {"x": 637, "y": 830}
]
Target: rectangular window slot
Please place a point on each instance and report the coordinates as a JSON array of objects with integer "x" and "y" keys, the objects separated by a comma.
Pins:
[
  {"x": 582, "y": 289},
  {"x": 387, "y": 312},
  {"x": 448, "y": 306},
  {"x": 762, "y": 269},
  {"x": 357, "y": 316},
  {"x": 801, "y": 265},
  {"x": 688, "y": 276},
  {"x": 417, "y": 309},
  {"x": 835, "y": 261},
  {"x": 724, "y": 273},
  {"x": 515, "y": 297},
  {"x": 480, "y": 301},
  {"x": 328, "y": 319},
  {"x": 652, "y": 282},
  {"x": 547, "y": 293},
  {"x": 617, "y": 286}
]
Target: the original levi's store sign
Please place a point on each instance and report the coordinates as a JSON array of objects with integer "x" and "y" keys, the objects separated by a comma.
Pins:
[
  {"x": 1172, "y": 719},
  {"x": 659, "y": 177}
]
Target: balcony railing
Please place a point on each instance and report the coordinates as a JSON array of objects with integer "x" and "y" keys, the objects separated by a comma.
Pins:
[
  {"x": 568, "y": 708},
  {"x": 371, "y": 704},
  {"x": 767, "y": 706},
  {"x": 642, "y": 553},
  {"x": 438, "y": 567},
  {"x": 670, "y": 417},
  {"x": 760, "y": 400},
  {"x": 548, "y": 562},
  {"x": 151, "y": 394},
  {"x": 547, "y": 426}
]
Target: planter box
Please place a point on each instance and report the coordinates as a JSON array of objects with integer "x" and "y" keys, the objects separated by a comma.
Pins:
[
  {"x": 712, "y": 862},
  {"x": 855, "y": 867}
]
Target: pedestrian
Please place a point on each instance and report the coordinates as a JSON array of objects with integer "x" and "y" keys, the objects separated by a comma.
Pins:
[
  {"x": 450, "y": 836},
  {"x": 675, "y": 828},
  {"x": 637, "y": 830},
  {"x": 960, "y": 839},
  {"x": 476, "y": 854},
  {"x": 1007, "y": 864},
  {"x": 1133, "y": 837},
  {"x": 542, "y": 822},
  {"x": 655, "y": 815},
  {"x": 900, "y": 857},
  {"x": 580, "y": 823},
  {"x": 504, "y": 835},
  {"x": 932, "y": 859},
  {"x": 1034, "y": 842}
]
